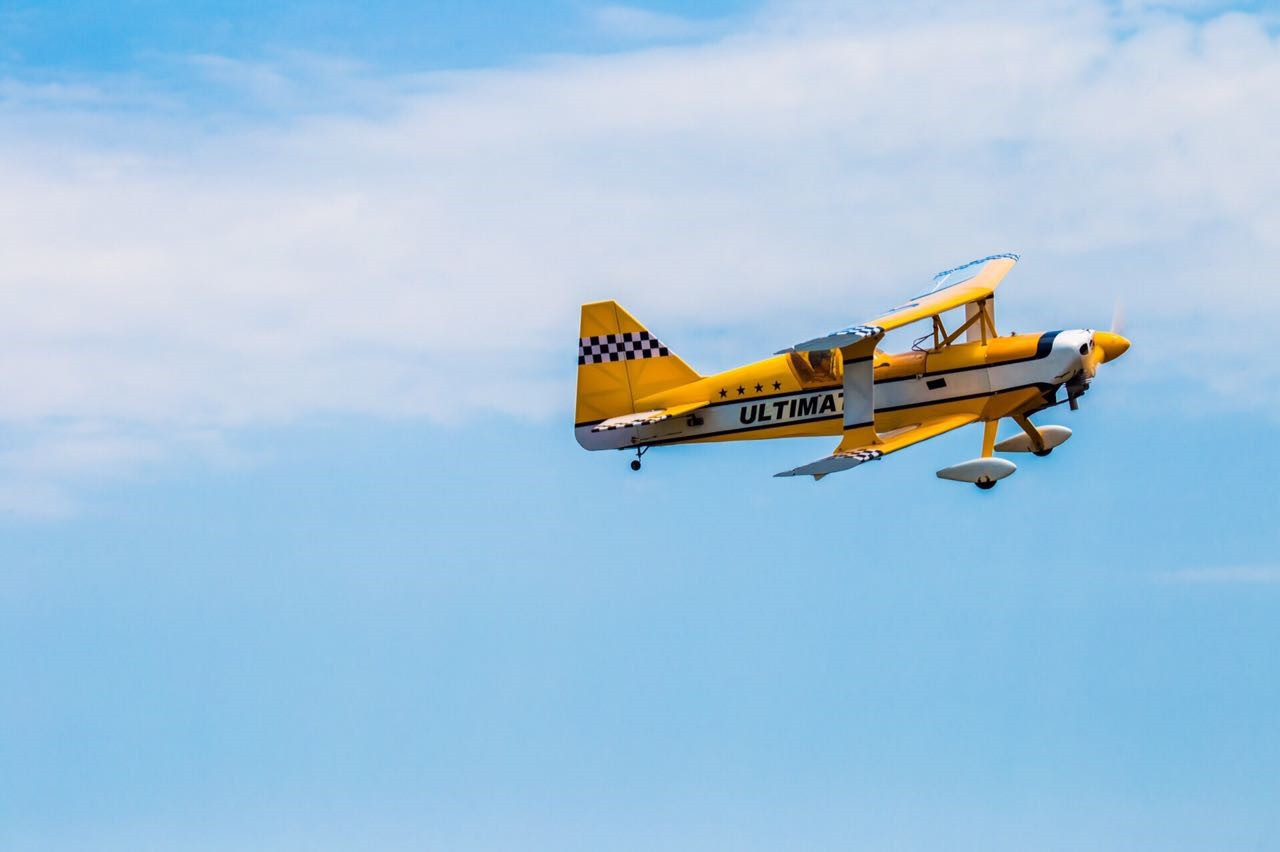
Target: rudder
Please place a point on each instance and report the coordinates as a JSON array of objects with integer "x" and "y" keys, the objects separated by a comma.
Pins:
[{"x": 619, "y": 362}]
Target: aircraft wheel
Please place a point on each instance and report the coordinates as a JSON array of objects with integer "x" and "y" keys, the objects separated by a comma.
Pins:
[
  {"x": 986, "y": 484},
  {"x": 635, "y": 464},
  {"x": 1042, "y": 453}
]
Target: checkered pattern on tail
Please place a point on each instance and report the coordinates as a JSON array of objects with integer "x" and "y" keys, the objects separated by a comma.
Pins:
[
  {"x": 626, "y": 346},
  {"x": 862, "y": 455}
]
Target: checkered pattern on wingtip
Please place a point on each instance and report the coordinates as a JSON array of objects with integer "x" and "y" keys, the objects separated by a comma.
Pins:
[
  {"x": 862, "y": 331},
  {"x": 862, "y": 455},
  {"x": 619, "y": 347}
]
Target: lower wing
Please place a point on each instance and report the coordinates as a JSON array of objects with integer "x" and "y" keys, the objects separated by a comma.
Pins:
[{"x": 846, "y": 457}]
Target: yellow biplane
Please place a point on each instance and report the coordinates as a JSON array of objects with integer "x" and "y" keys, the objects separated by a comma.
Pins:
[{"x": 635, "y": 393}]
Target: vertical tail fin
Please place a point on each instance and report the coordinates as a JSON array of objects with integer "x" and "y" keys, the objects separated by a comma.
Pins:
[{"x": 619, "y": 362}]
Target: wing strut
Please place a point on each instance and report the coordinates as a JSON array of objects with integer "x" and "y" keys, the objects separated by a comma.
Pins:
[{"x": 859, "y": 394}]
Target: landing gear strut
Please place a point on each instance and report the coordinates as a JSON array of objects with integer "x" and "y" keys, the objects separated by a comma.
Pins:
[{"x": 635, "y": 462}]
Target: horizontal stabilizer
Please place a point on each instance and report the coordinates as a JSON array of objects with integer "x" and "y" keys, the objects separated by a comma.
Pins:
[{"x": 646, "y": 418}]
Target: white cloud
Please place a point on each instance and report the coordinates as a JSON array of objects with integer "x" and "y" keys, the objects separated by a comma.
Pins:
[{"x": 417, "y": 245}]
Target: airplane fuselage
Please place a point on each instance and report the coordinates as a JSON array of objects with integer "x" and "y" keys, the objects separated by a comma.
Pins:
[{"x": 783, "y": 397}]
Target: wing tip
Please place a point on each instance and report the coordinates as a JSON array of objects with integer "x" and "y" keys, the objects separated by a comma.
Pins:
[
  {"x": 798, "y": 472},
  {"x": 1005, "y": 255},
  {"x": 836, "y": 339}
]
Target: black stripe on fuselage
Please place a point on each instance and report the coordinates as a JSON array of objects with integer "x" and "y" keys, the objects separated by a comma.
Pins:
[
  {"x": 1043, "y": 347},
  {"x": 688, "y": 439},
  {"x": 965, "y": 397}
]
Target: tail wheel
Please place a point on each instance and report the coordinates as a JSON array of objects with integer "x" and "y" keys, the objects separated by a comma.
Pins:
[{"x": 986, "y": 484}]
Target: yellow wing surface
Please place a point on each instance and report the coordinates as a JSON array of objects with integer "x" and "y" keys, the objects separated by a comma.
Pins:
[
  {"x": 851, "y": 454},
  {"x": 949, "y": 290}
]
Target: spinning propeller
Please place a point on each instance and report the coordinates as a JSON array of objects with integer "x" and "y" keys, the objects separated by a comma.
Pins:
[
  {"x": 1107, "y": 345},
  {"x": 1103, "y": 346}
]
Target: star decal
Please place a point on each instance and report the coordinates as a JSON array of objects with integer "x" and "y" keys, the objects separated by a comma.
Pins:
[
  {"x": 741, "y": 390},
  {"x": 777, "y": 385},
  {"x": 759, "y": 387},
  {"x": 723, "y": 393}
]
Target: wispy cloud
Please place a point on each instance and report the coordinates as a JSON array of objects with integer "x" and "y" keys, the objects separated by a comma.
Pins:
[
  {"x": 633, "y": 22},
  {"x": 424, "y": 258},
  {"x": 46, "y": 465}
]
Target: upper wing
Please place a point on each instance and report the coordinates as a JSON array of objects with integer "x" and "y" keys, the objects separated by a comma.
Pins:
[
  {"x": 645, "y": 418},
  {"x": 945, "y": 294},
  {"x": 846, "y": 457}
]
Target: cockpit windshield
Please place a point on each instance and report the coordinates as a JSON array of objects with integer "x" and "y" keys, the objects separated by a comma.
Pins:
[{"x": 820, "y": 367}]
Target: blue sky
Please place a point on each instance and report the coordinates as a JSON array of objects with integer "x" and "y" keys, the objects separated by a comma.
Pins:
[
  {"x": 445, "y": 34},
  {"x": 297, "y": 549}
]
